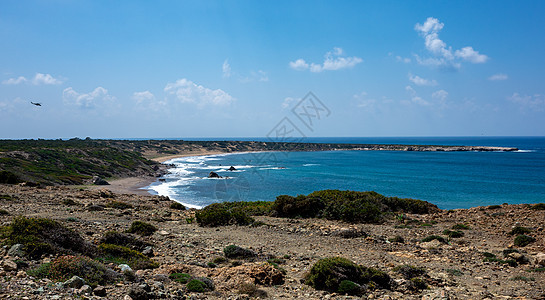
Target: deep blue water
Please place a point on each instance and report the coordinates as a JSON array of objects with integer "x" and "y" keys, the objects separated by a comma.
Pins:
[{"x": 447, "y": 179}]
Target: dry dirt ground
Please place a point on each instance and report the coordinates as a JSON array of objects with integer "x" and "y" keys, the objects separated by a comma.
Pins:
[{"x": 454, "y": 270}]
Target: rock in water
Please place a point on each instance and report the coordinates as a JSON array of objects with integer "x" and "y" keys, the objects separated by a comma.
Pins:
[
  {"x": 213, "y": 175},
  {"x": 99, "y": 181},
  {"x": 232, "y": 169}
]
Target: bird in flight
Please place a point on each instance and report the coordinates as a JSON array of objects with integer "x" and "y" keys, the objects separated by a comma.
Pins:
[{"x": 36, "y": 103}]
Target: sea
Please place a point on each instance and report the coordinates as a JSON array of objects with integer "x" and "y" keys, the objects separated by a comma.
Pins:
[{"x": 449, "y": 180}]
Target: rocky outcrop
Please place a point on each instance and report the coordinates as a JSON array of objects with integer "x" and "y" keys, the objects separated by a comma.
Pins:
[
  {"x": 99, "y": 181},
  {"x": 232, "y": 169},
  {"x": 213, "y": 175}
]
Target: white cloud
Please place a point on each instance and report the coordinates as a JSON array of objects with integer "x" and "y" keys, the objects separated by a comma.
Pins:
[
  {"x": 440, "y": 95},
  {"x": 364, "y": 102},
  {"x": 403, "y": 59},
  {"x": 89, "y": 100},
  {"x": 14, "y": 81},
  {"x": 40, "y": 78},
  {"x": 421, "y": 81},
  {"x": 142, "y": 97},
  {"x": 497, "y": 77},
  {"x": 415, "y": 98},
  {"x": 442, "y": 55},
  {"x": 535, "y": 102},
  {"x": 299, "y": 65},
  {"x": 226, "y": 69},
  {"x": 332, "y": 61},
  {"x": 467, "y": 53},
  {"x": 188, "y": 92},
  {"x": 287, "y": 102}
]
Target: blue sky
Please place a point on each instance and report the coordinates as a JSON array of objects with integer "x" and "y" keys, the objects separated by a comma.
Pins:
[{"x": 171, "y": 69}]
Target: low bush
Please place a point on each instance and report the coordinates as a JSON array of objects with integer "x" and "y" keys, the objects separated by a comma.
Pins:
[
  {"x": 64, "y": 267},
  {"x": 142, "y": 228},
  {"x": 524, "y": 240},
  {"x": 328, "y": 274},
  {"x": 522, "y": 278},
  {"x": 123, "y": 255},
  {"x": 180, "y": 277},
  {"x": 123, "y": 239},
  {"x": 220, "y": 214},
  {"x": 4, "y": 212},
  {"x": 200, "y": 285},
  {"x": 233, "y": 251},
  {"x": 519, "y": 230},
  {"x": 177, "y": 205},
  {"x": 118, "y": 205},
  {"x": 490, "y": 257},
  {"x": 539, "y": 206},
  {"x": 461, "y": 227},
  {"x": 454, "y": 272},
  {"x": 41, "y": 236},
  {"x": 494, "y": 206},
  {"x": 350, "y": 288},
  {"x": 434, "y": 237},
  {"x": 408, "y": 271},
  {"x": 397, "y": 239},
  {"x": 9, "y": 177},
  {"x": 453, "y": 233},
  {"x": 417, "y": 284}
]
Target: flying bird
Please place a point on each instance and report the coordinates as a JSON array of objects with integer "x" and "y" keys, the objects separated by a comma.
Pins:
[{"x": 36, "y": 103}]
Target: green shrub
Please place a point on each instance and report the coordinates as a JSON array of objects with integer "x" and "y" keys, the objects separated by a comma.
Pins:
[
  {"x": 4, "y": 212},
  {"x": 417, "y": 284},
  {"x": 123, "y": 255},
  {"x": 409, "y": 271},
  {"x": 522, "y": 278},
  {"x": 328, "y": 273},
  {"x": 7, "y": 197},
  {"x": 177, "y": 205},
  {"x": 180, "y": 277},
  {"x": 300, "y": 206},
  {"x": 118, "y": 204},
  {"x": 494, "y": 206},
  {"x": 64, "y": 267},
  {"x": 46, "y": 236},
  {"x": 537, "y": 270},
  {"x": 539, "y": 206},
  {"x": 219, "y": 260},
  {"x": 519, "y": 230},
  {"x": 141, "y": 228},
  {"x": 397, "y": 239},
  {"x": 490, "y": 257},
  {"x": 233, "y": 251},
  {"x": 524, "y": 240},
  {"x": 219, "y": 214},
  {"x": 123, "y": 239},
  {"x": 350, "y": 288},
  {"x": 434, "y": 237},
  {"x": 9, "y": 177},
  {"x": 453, "y": 233},
  {"x": 69, "y": 202},
  {"x": 454, "y": 272},
  {"x": 200, "y": 285},
  {"x": 461, "y": 227}
]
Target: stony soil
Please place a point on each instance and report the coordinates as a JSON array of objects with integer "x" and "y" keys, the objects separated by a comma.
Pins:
[{"x": 454, "y": 271}]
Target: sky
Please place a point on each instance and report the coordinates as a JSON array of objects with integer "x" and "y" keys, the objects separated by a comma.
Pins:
[{"x": 183, "y": 69}]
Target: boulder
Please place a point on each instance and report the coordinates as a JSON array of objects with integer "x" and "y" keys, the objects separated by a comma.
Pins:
[
  {"x": 540, "y": 259},
  {"x": 74, "y": 282},
  {"x": 9, "y": 265},
  {"x": 16, "y": 250},
  {"x": 99, "y": 181},
  {"x": 213, "y": 175},
  {"x": 100, "y": 291}
]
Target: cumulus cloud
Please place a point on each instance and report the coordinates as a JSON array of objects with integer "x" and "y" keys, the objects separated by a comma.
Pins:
[
  {"x": 421, "y": 81},
  {"x": 14, "y": 81},
  {"x": 415, "y": 98},
  {"x": 535, "y": 102},
  {"x": 498, "y": 77},
  {"x": 288, "y": 101},
  {"x": 40, "y": 78},
  {"x": 226, "y": 69},
  {"x": 442, "y": 55},
  {"x": 405, "y": 60},
  {"x": 87, "y": 100},
  {"x": 440, "y": 95},
  {"x": 188, "y": 92},
  {"x": 141, "y": 97},
  {"x": 333, "y": 60}
]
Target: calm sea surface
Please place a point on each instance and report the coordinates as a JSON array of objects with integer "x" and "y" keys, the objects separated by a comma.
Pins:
[{"x": 447, "y": 179}]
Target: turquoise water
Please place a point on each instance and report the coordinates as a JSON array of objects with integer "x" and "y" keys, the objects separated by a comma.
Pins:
[{"x": 448, "y": 179}]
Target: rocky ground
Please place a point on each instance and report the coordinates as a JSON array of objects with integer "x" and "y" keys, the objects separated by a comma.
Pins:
[{"x": 454, "y": 270}]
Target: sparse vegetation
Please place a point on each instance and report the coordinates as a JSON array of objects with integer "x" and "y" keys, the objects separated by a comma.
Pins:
[
  {"x": 434, "y": 237},
  {"x": 4, "y": 212},
  {"x": 182, "y": 278},
  {"x": 118, "y": 204},
  {"x": 328, "y": 274},
  {"x": 220, "y": 214},
  {"x": 123, "y": 255},
  {"x": 177, "y": 206},
  {"x": 539, "y": 206},
  {"x": 522, "y": 278},
  {"x": 490, "y": 257},
  {"x": 397, "y": 239},
  {"x": 524, "y": 240},
  {"x": 233, "y": 251},
  {"x": 408, "y": 271},
  {"x": 141, "y": 228},
  {"x": 64, "y": 267},
  {"x": 519, "y": 230},
  {"x": 45, "y": 236},
  {"x": 453, "y": 233},
  {"x": 123, "y": 239},
  {"x": 454, "y": 272},
  {"x": 461, "y": 226}
]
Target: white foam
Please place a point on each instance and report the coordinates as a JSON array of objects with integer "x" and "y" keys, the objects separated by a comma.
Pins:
[
  {"x": 525, "y": 151},
  {"x": 310, "y": 165}
]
